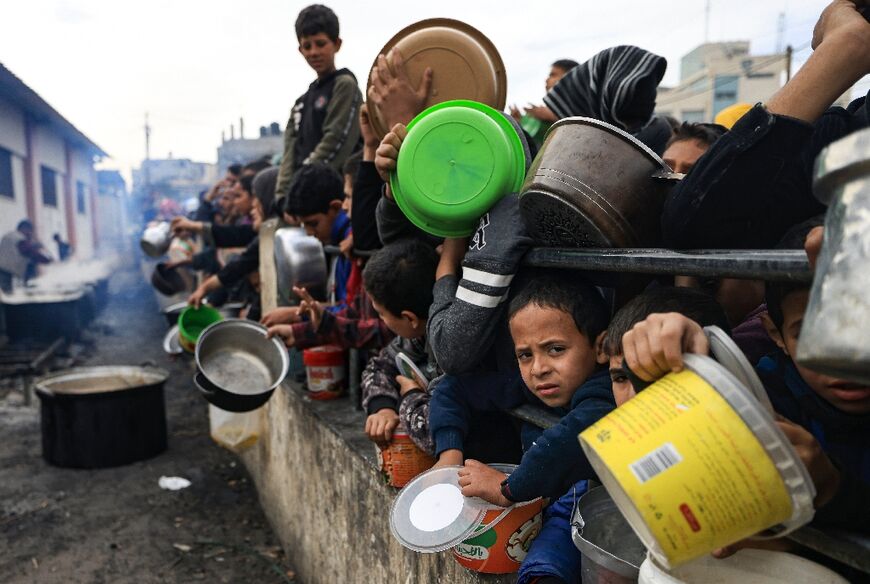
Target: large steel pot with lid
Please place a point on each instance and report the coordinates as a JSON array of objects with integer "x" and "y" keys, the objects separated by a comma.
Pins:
[
  {"x": 833, "y": 337},
  {"x": 299, "y": 261},
  {"x": 593, "y": 185}
]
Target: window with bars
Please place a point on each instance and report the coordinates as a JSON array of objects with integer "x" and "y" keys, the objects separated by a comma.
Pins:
[
  {"x": 80, "y": 197},
  {"x": 48, "y": 178},
  {"x": 7, "y": 187}
]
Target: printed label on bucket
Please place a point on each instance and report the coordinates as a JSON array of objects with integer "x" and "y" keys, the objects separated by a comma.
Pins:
[{"x": 693, "y": 470}]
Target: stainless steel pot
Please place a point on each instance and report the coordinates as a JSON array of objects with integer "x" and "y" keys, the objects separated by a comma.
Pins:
[
  {"x": 833, "y": 337},
  {"x": 299, "y": 261},
  {"x": 239, "y": 367},
  {"x": 593, "y": 185},
  {"x": 611, "y": 550},
  {"x": 156, "y": 239}
]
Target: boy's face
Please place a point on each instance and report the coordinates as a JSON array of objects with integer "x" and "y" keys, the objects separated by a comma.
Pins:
[
  {"x": 242, "y": 201},
  {"x": 623, "y": 390},
  {"x": 319, "y": 51},
  {"x": 852, "y": 398},
  {"x": 347, "y": 203},
  {"x": 556, "y": 73},
  {"x": 319, "y": 225},
  {"x": 682, "y": 155},
  {"x": 405, "y": 325},
  {"x": 555, "y": 358}
]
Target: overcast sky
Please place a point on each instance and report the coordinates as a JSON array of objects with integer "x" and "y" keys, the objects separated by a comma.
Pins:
[{"x": 198, "y": 65}]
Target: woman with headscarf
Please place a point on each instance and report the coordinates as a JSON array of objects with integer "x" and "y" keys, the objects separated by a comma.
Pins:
[{"x": 617, "y": 86}]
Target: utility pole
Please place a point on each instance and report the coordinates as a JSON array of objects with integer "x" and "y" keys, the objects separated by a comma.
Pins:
[
  {"x": 780, "y": 31},
  {"x": 241, "y": 128},
  {"x": 788, "y": 51},
  {"x": 707, "y": 21}
]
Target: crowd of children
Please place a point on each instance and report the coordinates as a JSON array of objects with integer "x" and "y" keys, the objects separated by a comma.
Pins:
[{"x": 490, "y": 335}]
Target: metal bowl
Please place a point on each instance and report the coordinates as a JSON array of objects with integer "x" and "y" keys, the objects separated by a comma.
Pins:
[
  {"x": 239, "y": 367},
  {"x": 299, "y": 261},
  {"x": 156, "y": 239},
  {"x": 593, "y": 185}
]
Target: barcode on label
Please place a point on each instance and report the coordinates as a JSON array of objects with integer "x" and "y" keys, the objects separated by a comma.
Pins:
[{"x": 657, "y": 461}]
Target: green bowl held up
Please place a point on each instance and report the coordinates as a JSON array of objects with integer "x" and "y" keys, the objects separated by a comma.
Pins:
[
  {"x": 192, "y": 321},
  {"x": 457, "y": 161}
]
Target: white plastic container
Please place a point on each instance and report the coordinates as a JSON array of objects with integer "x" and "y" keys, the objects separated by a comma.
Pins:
[{"x": 747, "y": 566}]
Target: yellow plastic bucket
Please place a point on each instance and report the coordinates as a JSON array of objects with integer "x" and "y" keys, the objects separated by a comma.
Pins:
[{"x": 695, "y": 462}]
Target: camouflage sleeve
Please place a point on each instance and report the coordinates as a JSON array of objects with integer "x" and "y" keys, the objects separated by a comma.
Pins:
[{"x": 414, "y": 414}]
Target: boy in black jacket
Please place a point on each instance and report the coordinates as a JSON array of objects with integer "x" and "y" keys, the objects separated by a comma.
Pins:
[{"x": 323, "y": 125}]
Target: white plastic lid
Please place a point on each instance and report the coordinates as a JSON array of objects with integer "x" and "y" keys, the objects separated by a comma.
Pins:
[
  {"x": 730, "y": 356},
  {"x": 760, "y": 421},
  {"x": 407, "y": 368},
  {"x": 430, "y": 514}
]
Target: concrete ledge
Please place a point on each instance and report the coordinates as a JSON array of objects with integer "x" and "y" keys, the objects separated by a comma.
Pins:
[{"x": 320, "y": 488}]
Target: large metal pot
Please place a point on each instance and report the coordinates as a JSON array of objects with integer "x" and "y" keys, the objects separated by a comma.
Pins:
[
  {"x": 611, "y": 550},
  {"x": 239, "y": 367},
  {"x": 833, "y": 337},
  {"x": 299, "y": 261},
  {"x": 156, "y": 239},
  {"x": 96, "y": 417},
  {"x": 593, "y": 185},
  {"x": 168, "y": 281}
]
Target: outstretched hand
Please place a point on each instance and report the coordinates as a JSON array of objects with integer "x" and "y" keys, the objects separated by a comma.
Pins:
[
  {"x": 655, "y": 346},
  {"x": 392, "y": 92},
  {"x": 387, "y": 154},
  {"x": 480, "y": 480}
]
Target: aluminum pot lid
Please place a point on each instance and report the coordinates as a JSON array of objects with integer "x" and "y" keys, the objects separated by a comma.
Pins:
[
  {"x": 171, "y": 344},
  {"x": 729, "y": 355},
  {"x": 430, "y": 514},
  {"x": 465, "y": 64}
]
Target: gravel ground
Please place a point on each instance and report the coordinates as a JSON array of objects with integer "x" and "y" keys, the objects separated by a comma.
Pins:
[{"x": 116, "y": 525}]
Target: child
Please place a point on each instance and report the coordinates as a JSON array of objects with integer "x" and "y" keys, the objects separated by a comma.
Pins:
[
  {"x": 557, "y": 323},
  {"x": 828, "y": 420},
  {"x": 323, "y": 125},
  {"x": 399, "y": 280}
]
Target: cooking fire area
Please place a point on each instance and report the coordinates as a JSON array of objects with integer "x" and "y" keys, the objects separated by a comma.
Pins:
[{"x": 187, "y": 513}]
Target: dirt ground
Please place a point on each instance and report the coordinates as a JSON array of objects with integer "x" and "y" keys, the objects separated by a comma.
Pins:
[{"x": 117, "y": 525}]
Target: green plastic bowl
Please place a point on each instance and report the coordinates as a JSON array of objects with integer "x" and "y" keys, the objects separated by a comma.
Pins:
[
  {"x": 457, "y": 161},
  {"x": 192, "y": 321}
]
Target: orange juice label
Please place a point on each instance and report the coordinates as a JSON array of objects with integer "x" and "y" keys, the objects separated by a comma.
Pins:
[{"x": 694, "y": 472}]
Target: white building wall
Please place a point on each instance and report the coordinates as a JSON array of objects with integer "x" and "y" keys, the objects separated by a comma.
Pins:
[
  {"x": 12, "y": 138},
  {"x": 48, "y": 150},
  {"x": 81, "y": 171}
]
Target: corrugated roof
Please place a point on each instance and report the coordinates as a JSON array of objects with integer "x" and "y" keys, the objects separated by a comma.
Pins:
[{"x": 15, "y": 90}]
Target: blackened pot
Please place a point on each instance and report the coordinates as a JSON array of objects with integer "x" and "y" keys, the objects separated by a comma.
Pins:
[
  {"x": 593, "y": 185},
  {"x": 98, "y": 417}
]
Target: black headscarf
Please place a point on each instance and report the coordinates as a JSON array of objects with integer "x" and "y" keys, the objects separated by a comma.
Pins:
[{"x": 617, "y": 86}]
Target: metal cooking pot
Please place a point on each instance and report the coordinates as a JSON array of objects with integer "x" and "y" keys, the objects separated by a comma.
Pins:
[
  {"x": 593, "y": 185},
  {"x": 611, "y": 550},
  {"x": 238, "y": 367},
  {"x": 299, "y": 261},
  {"x": 97, "y": 417},
  {"x": 156, "y": 239},
  {"x": 167, "y": 281},
  {"x": 833, "y": 337}
]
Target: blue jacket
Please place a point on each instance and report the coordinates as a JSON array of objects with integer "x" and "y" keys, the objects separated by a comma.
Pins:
[
  {"x": 845, "y": 438},
  {"x": 343, "y": 266},
  {"x": 553, "y": 458}
]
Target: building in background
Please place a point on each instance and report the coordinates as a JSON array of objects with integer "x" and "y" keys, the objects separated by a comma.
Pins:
[
  {"x": 242, "y": 150},
  {"x": 46, "y": 169},
  {"x": 176, "y": 178},
  {"x": 716, "y": 75},
  {"x": 112, "y": 208}
]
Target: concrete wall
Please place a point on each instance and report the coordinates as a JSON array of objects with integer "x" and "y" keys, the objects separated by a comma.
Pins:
[
  {"x": 81, "y": 171},
  {"x": 318, "y": 483},
  {"x": 12, "y": 139}
]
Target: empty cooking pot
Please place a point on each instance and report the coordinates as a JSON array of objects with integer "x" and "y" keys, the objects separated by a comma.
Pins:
[
  {"x": 239, "y": 367},
  {"x": 172, "y": 312},
  {"x": 166, "y": 280},
  {"x": 593, "y": 185},
  {"x": 156, "y": 239},
  {"x": 299, "y": 261}
]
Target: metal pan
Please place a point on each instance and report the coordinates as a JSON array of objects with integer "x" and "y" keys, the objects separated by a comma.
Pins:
[
  {"x": 238, "y": 367},
  {"x": 465, "y": 64}
]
